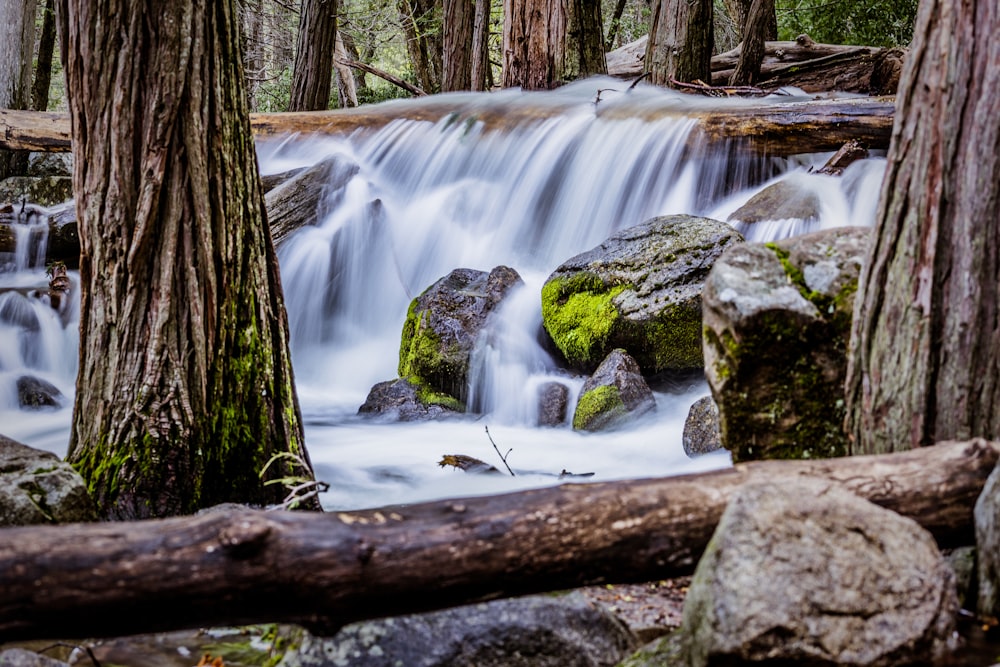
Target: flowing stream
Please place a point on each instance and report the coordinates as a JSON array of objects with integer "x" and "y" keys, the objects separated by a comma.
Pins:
[{"x": 420, "y": 199}]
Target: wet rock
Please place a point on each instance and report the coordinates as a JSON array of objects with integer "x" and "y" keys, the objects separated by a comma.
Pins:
[
  {"x": 553, "y": 401},
  {"x": 269, "y": 182},
  {"x": 308, "y": 196},
  {"x": 33, "y": 392},
  {"x": 37, "y": 487},
  {"x": 16, "y": 311},
  {"x": 787, "y": 199},
  {"x": 810, "y": 574},
  {"x": 50, "y": 164},
  {"x": 639, "y": 291},
  {"x": 19, "y": 657},
  {"x": 402, "y": 400},
  {"x": 962, "y": 562},
  {"x": 615, "y": 394},
  {"x": 536, "y": 631},
  {"x": 41, "y": 190},
  {"x": 443, "y": 324},
  {"x": 64, "y": 237},
  {"x": 701, "y": 428},
  {"x": 777, "y": 323},
  {"x": 987, "y": 518}
]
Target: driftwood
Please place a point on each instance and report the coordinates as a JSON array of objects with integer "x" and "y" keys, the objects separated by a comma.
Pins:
[
  {"x": 778, "y": 129},
  {"x": 324, "y": 570},
  {"x": 382, "y": 74}
]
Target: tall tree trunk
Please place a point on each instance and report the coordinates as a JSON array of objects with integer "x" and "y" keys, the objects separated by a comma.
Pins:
[
  {"x": 185, "y": 389},
  {"x": 739, "y": 10},
  {"x": 347, "y": 89},
  {"x": 616, "y": 21},
  {"x": 481, "y": 70},
  {"x": 680, "y": 41},
  {"x": 925, "y": 355},
  {"x": 421, "y": 26},
  {"x": 17, "y": 42},
  {"x": 549, "y": 42},
  {"x": 46, "y": 48},
  {"x": 583, "y": 46},
  {"x": 313, "y": 73},
  {"x": 457, "y": 45},
  {"x": 752, "y": 51},
  {"x": 253, "y": 47}
]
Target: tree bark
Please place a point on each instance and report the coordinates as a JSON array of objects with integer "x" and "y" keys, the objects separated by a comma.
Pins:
[
  {"x": 481, "y": 70},
  {"x": 755, "y": 29},
  {"x": 925, "y": 354},
  {"x": 457, "y": 44},
  {"x": 680, "y": 41},
  {"x": 616, "y": 20},
  {"x": 313, "y": 73},
  {"x": 185, "y": 388},
  {"x": 347, "y": 89},
  {"x": 323, "y": 571},
  {"x": 46, "y": 49},
  {"x": 779, "y": 129},
  {"x": 17, "y": 41},
  {"x": 421, "y": 26}
]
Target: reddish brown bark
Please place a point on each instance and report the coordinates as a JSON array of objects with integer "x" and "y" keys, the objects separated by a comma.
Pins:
[
  {"x": 680, "y": 41},
  {"x": 313, "y": 72}
]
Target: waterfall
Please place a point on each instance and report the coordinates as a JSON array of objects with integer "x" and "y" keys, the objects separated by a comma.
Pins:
[{"x": 430, "y": 196}]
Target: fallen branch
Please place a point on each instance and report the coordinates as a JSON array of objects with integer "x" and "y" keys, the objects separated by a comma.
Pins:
[
  {"x": 382, "y": 74},
  {"x": 325, "y": 570},
  {"x": 720, "y": 91}
]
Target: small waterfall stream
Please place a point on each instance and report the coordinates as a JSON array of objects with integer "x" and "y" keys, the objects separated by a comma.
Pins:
[{"x": 427, "y": 197}]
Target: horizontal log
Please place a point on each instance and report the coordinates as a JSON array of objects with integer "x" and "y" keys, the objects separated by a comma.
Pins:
[
  {"x": 773, "y": 128},
  {"x": 325, "y": 570}
]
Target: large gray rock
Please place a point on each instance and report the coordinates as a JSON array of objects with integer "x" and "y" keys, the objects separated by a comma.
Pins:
[
  {"x": 401, "y": 400},
  {"x": 19, "y": 657},
  {"x": 640, "y": 290},
  {"x": 810, "y": 574},
  {"x": 307, "y": 196},
  {"x": 789, "y": 199},
  {"x": 553, "y": 401},
  {"x": 987, "y": 518},
  {"x": 36, "y": 393},
  {"x": 41, "y": 190},
  {"x": 443, "y": 324},
  {"x": 701, "y": 428},
  {"x": 777, "y": 324},
  {"x": 38, "y": 487},
  {"x": 537, "y": 631},
  {"x": 615, "y": 394}
]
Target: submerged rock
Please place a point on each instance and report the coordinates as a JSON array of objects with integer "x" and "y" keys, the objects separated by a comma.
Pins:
[
  {"x": 701, "y": 428},
  {"x": 784, "y": 200},
  {"x": 33, "y": 392},
  {"x": 307, "y": 196},
  {"x": 38, "y": 487},
  {"x": 810, "y": 574},
  {"x": 402, "y": 400},
  {"x": 536, "y": 631},
  {"x": 553, "y": 402},
  {"x": 640, "y": 291},
  {"x": 614, "y": 394},
  {"x": 777, "y": 323},
  {"x": 444, "y": 323}
]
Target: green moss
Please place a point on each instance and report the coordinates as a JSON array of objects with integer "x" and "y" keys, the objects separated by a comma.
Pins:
[
  {"x": 598, "y": 408},
  {"x": 673, "y": 341},
  {"x": 579, "y": 314},
  {"x": 428, "y": 397}
]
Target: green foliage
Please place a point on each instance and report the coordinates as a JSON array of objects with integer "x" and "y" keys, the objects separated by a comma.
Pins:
[{"x": 862, "y": 22}]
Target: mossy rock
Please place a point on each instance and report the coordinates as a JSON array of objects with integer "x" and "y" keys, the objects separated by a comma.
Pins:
[
  {"x": 41, "y": 190},
  {"x": 639, "y": 291},
  {"x": 403, "y": 400},
  {"x": 615, "y": 394},
  {"x": 777, "y": 324},
  {"x": 443, "y": 324}
]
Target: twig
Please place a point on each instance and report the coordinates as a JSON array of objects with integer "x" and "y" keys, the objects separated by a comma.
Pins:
[
  {"x": 502, "y": 457},
  {"x": 718, "y": 91},
  {"x": 637, "y": 80},
  {"x": 84, "y": 647}
]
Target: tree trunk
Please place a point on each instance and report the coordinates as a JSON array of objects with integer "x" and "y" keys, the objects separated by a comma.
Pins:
[
  {"x": 755, "y": 28},
  {"x": 253, "y": 48},
  {"x": 46, "y": 49},
  {"x": 421, "y": 26},
  {"x": 739, "y": 10},
  {"x": 323, "y": 571},
  {"x": 583, "y": 49},
  {"x": 925, "y": 357},
  {"x": 347, "y": 89},
  {"x": 17, "y": 42},
  {"x": 778, "y": 129},
  {"x": 313, "y": 72},
  {"x": 457, "y": 43},
  {"x": 481, "y": 70},
  {"x": 616, "y": 20},
  {"x": 185, "y": 388},
  {"x": 680, "y": 41}
]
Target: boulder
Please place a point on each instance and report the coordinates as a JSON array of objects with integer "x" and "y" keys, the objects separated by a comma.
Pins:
[
  {"x": 33, "y": 392},
  {"x": 305, "y": 198},
  {"x": 443, "y": 324},
  {"x": 38, "y": 487},
  {"x": 810, "y": 574},
  {"x": 613, "y": 395},
  {"x": 401, "y": 400},
  {"x": 19, "y": 657},
  {"x": 41, "y": 190},
  {"x": 50, "y": 164},
  {"x": 536, "y": 631},
  {"x": 553, "y": 401},
  {"x": 701, "y": 428},
  {"x": 787, "y": 199},
  {"x": 777, "y": 324},
  {"x": 987, "y": 519},
  {"x": 640, "y": 290}
]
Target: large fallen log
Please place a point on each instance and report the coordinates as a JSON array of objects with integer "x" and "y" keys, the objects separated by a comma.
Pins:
[
  {"x": 324, "y": 570},
  {"x": 775, "y": 128}
]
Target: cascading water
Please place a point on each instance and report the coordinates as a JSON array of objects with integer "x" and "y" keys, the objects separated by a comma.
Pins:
[{"x": 421, "y": 198}]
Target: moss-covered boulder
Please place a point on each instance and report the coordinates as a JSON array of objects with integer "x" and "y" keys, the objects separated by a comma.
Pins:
[
  {"x": 640, "y": 291},
  {"x": 42, "y": 190},
  {"x": 615, "y": 394},
  {"x": 444, "y": 323},
  {"x": 37, "y": 487},
  {"x": 777, "y": 324},
  {"x": 402, "y": 400}
]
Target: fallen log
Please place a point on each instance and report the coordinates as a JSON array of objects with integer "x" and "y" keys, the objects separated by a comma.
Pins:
[
  {"x": 325, "y": 570},
  {"x": 765, "y": 126}
]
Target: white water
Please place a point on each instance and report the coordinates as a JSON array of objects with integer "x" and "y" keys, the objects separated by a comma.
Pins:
[{"x": 431, "y": 197}]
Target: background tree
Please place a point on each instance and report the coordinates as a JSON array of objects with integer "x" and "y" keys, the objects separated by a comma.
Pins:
[
  {"x": 680, "y": 41},
  {"x": 421, "y": 24},
  {"x": 313, "y": 73},
  {"x": 465, "y": 56},
  {"x": 185, "y": 387},
  {"x": 43, "y": 67},
  {"x": 17, "y": 43},
  {"x": 925, "y": 355},
  {"x": 758, "y": 25}
]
